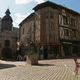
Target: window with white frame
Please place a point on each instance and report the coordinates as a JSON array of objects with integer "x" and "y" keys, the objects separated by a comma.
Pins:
[
  {"x": 74, "y": 33},
  {"x": 72, "y": 22},
  {"x": 63, "y": 20},
  {"x": 66, "y": 32},
  {"x": 61, "y": 32},
  {"x": 60, "y": 20}
]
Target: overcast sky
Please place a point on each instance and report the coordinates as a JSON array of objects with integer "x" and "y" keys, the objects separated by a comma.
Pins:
[{"x": 22, "y": 8}]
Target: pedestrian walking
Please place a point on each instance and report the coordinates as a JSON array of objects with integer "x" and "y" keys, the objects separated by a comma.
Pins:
[
  {"x": 19, "y": 57},
  {"x": 77, "y": 66}
]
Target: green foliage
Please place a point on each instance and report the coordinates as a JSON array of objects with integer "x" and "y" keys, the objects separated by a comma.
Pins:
[{"x": 32, "y": 49}]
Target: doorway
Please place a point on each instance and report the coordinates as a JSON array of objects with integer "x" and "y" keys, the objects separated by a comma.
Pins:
[
  {"x": 67, "y": 50},
  {"x": 45, "y": 52},
  {"x": 6, "y": 52}
]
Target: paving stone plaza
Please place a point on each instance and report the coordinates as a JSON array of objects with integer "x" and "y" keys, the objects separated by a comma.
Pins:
[{"x": 60, "y": 69}]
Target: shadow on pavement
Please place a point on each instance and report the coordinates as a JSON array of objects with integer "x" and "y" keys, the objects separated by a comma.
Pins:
[
  {"x": 3, "y": 66},
  {"x": 45, "y": 65}
]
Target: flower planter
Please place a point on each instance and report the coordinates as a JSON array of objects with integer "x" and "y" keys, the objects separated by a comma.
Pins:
[{"x": 32, "y": 59}]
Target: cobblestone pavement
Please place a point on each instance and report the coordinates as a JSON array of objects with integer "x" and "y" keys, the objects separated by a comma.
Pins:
[{"x": 46, "y": 70}]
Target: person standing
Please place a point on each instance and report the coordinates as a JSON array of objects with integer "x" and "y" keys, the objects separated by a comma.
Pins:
[{"x": 77, "y": 66}]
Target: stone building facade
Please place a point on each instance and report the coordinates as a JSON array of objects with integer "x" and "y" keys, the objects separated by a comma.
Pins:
[
  {"x": 26, "y": 30},
  {"x": 8, "y": 39},
  {"x": 0, "y": 24},
  {"x": 56, "y": 29}
]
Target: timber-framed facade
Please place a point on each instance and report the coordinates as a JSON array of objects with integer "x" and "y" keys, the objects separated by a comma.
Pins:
[{"x": 56, "y": 30}]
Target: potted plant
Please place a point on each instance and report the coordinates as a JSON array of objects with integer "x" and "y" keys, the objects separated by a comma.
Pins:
[{"x": 32, "y": 55}]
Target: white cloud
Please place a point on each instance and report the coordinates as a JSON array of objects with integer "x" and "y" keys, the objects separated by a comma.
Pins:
[
  {"x": 19, "y": 18},
  {"x": 39, "y": 1},
  {"x": 22, "y": 1},
  {"x": 28, "y": 1}
]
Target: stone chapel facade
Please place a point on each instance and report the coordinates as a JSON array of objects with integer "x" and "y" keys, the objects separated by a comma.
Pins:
[{"x": 8, "y": 40}]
